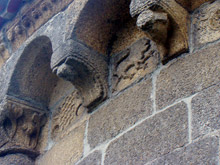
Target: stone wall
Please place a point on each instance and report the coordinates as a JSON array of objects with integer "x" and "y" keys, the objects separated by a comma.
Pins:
[{"x": 147, "y": 101}]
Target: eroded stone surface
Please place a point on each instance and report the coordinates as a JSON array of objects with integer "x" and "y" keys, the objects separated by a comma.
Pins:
[
  {"x": 92, "y": 159},
  {"x": 176, "y": 41},
  {"x": 32, "y": 79},
  {"x": 33, "y": 16},
  {"x": 62, "y": 89},
  {"x": 155, "y": 137},
  {"x": 205, "y": 151},
  {"x": 188, "y": 75},
  {"x": 108, "y": 16},
  {"x": 16, "y": 159},
  {"x": 191, "y": 5},
  {"x": 133, "y": 63},
  {"x": 43, "y": 138},
  {"x": 206, "y": 112},
  {"x": 120, "y": 113},
  {"x": 126, "y": 36},
  {"x": 206, "y": 24},
  {"x": 69, "y": 112},
  {"x": 21, "y": 124},
  {"x": 85, "y": 69},
  {"x": 67, "y": 151}
]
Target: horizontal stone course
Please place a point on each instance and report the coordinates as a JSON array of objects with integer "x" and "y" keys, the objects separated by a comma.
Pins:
[
  {"x": 204, "y": 151},
  {"x": 206, "y": 112},
  {"x": 120, "y": 113},
  {"x": 153, "y": 138},
  {"x": 188, "y": 75},
  {"x": 67, "y": 151}
]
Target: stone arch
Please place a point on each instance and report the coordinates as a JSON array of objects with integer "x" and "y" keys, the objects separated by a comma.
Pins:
[
  {"x": 98, "y": 21},
  {"x": 25, "y": 107},
  {"x": 32, "y": 79},
  {"x": 83, "y": 58}
]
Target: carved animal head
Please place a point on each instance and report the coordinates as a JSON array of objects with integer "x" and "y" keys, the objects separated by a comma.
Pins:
[{"x": 84, "y": 68}]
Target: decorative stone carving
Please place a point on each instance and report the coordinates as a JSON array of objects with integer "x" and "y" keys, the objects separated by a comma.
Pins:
[
  {"x": 214, "y": 20},
  {"x": 165, "y": 21},
  {"x": 206, "y": 24},
  {"x": 69, "y": 112},
  {"x": 140, "y": 59},
  {"x": 33, "y": 16},
  {"x": 84, "y": 68},
  {"x": 21, "y": 123}
]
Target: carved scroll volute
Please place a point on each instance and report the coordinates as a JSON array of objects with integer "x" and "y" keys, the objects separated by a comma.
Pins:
[
  {"x": 165, "y": 21},
  {"x": 84, "y": 68}
]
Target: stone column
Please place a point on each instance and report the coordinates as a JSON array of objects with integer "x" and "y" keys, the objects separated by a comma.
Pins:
[{"x": 20, "y": 125}]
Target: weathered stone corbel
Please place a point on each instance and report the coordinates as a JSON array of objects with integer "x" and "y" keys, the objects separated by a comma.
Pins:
[
  {"x": 20, "y": 125},
  {"x": 84, "y": 68},
  {"x": 165, "y": 21}
]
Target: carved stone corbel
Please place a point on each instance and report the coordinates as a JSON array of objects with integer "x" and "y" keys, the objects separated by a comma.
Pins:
[
  {"x": 20, "y": 123},
  {"x": 84, "y": 68},
  {"x": 165, "y": 21}
]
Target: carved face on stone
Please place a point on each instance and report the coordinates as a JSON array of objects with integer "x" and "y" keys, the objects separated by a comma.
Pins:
[
  {"x": 84, "y": 68},
  {"x": 69, "y": 69},
  {"x": 64, "y": 63}
]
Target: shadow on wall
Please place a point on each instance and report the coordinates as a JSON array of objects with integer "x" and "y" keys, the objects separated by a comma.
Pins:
[
  {"x": 99, "y": 21},
  {"x": 32, "y": 79}
]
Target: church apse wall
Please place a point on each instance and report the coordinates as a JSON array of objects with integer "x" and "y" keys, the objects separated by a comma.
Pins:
[{"x": 110, "y": 82}]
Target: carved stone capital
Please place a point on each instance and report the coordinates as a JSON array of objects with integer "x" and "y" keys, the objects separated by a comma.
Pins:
[
  {"x": 84, "y": 68},
  {"x": 165, "y": 21},
  {"x": 20, "y": 125}
]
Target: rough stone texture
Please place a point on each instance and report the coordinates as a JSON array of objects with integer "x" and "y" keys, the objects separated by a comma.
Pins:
[
  {"x": 140, "y": 59},
  {"x": 86, "y": 69},
  {"x": 120, "y": 113},
  {"x": 69, "y": 112},
  {"x": 32, "y": 79},
  {"x": 3, "y": 137},
  {"x": 93, "y": 159},
  {"x": 33, "y": 16},
  {"x": 205, "y": 151},
  {"x": 196, "y": 3},
  {"x": 188, "y": 75},
  {"x": 20, "y": 127},
  {"x": 67, "y": 151},
  {"x": 62, "y": 89},
  {"x": 6, "y": 72},
  {"x": 4, "y": 53},
  {"x": 206, "y": 112},
  {"x": 206, "y": 24},
  {"x": 192, "y": 4},
  {"x": 155, "y": 137},
  {"x": 177, "y": 41},
  {"x": 108, "y": 16},
  {"x": 16, "y": 159},
  {"x": 130, "y": 107},
  {"x": 126, "y": 36},
  {"x": 43, "y": 138}
]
